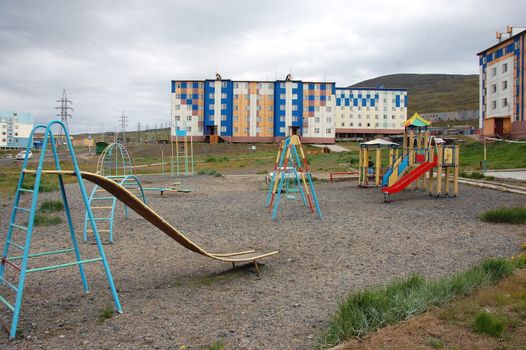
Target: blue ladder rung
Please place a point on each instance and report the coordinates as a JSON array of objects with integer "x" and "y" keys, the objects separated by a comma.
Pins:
[
  {"x": 23, "y": 209},
  {"x": 8, "y": 283},
  {"x": 16, "y": 245},
  {"x": 20, "y": 227},
  {"x": 25, "y": 190},
  {"x": 8, "y": 304}
]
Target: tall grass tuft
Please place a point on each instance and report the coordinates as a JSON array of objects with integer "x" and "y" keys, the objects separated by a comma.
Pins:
[
  {"x": 488, "y": 323},
  {"x": 51, "y": 206},
  {"x": 373, "y": 308},
  {"x": 515, "y": 215}
]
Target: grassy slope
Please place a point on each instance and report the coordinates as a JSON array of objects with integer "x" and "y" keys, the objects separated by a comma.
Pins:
[{"x": 432, "y": 92}]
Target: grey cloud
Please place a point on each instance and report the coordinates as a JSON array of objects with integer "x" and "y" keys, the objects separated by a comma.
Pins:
[{"x": 121, "y": 55}]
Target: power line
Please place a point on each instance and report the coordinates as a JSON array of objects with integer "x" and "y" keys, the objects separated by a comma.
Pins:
[{"x": 123, "y": 119}]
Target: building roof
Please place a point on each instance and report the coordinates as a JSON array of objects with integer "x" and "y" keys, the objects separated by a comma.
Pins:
[
  {"x": 502, "y": 42},
  {"x": 369, "y": 88},
  {"x": 416, "y": 120}
]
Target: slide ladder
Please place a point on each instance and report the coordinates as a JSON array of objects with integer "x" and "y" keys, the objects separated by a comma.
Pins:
[{"x": 17, "y": 251}]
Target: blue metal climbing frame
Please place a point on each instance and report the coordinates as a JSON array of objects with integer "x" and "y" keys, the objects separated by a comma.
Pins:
[
  {"x": 12, "y": 289},
  {"x": 103, "y": 204},
  {"x": 291, "y": 170}
]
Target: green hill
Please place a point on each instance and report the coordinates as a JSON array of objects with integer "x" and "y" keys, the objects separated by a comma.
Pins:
[{"x": 433, "y": 92}]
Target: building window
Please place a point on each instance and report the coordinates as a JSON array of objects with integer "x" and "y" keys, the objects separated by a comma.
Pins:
[
  {"x": 223, "y": 129},
  {"x": 493, "y": 71},
  {"x": 223, "y": 107},
  {"x": 317, "y": 119},
  {"x": 282, "y": 96},
  {"x": 505, "y": 102},
  {"x": 211, "y": 84},
  {"x": 189, "y": 129},
  {"x": 343, "y": 124},
  {"x": 282, "y": 118},
  {"x": 177, "y": 107},
  {"x": 316, "y": 130},
  {"x": 494, "y": 88},
  {"x": 329, "y": 120},
  {"x": 504, "y": 68},
  {"x": 211, "y": 107},
  {"x": 224, "y": 84},
  {"x": 328, "y": 131},
  {"x": 504, "y": 85},
  {"x": 294, "y": 107},
  {"x": 493, "y": 104},
  {"x": 351, "y": 124},
  {"x": 223, "y": 117},
  {"x": 329, "y": 109},
  {"x": 178, "y": 85},
  {"x": 282, "y": 129},
  {"x": 282, "y": 107},
  {"x": 368, "y": 124},
  {"x": 236, "y": 85},
  {"x": 359, "y": 124},
  {"x": 189, "y": 118}
]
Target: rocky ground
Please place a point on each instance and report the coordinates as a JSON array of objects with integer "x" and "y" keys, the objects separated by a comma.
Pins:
[{"x": 173, "y": 297}]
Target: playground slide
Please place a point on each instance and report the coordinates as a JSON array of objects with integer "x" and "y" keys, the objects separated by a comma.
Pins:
[
  {"x": 410, "y": 177},
  {"x": 146, "y": 212}
]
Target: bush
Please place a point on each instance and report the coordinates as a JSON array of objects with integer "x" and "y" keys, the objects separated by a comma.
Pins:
[
  {"x": 210, "y": 172},
  {"x": 46, "y": 220},
  {"x": 51, "y": 206},
  {"x": 488, "y": 323},
  {"x": 515, "y": 215}
]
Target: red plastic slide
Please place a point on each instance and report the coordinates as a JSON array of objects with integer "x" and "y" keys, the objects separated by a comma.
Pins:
[{"x": 410, "y": 177}]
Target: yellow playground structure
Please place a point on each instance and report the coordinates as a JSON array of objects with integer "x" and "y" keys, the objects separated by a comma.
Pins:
[{"x": 423, "y": 162}]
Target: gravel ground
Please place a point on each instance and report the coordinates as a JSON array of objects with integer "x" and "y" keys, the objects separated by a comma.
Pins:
[{"x": 172, "y": 297}]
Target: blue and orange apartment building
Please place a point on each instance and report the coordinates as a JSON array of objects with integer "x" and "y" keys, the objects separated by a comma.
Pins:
[
  {"x": 267, "y": 111},
  {"x": 501, "y": 86},
  {"x": 15, "y": 128}
]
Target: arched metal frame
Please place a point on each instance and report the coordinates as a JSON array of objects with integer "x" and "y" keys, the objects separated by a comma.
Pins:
[
  {"x": 125, "y": 181},
  {"x": 115, "y": 161}
]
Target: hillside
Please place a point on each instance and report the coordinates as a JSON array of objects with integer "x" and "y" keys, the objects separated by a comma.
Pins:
[{"x": 433, "y": 92}]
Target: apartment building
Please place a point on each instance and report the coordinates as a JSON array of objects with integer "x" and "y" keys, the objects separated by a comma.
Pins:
[
  {"x": 15, "y": 128},
  {"x": 501, "y": 88}
]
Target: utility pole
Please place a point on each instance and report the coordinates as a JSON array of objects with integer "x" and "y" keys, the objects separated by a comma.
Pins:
[
  {"x": 64, "y": 111},
  {"x": 124, "y": 123}
]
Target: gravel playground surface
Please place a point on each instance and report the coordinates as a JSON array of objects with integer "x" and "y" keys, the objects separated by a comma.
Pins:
[{"x": 172, "y": 297}]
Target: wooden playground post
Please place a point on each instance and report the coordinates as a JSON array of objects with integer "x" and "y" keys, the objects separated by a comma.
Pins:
[
  {"x": 429, "y": 157},
  {"x": 377, "y": 166},
  {"x": 391, "y": 154},
  {"x": 360, "y": 167},
  {"x": 366, "y": 166},
  {"x": 439, "y": 171},
  {"x": 410, "y": 152},
  {"x": 456, "y": 154}
]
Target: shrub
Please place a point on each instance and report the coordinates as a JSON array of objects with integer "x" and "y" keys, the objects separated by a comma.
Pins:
[
  {"x": 106, "y": 314},
  {"x": 51, "y": 206},
  {"x": 46, "y": 220},
  {"x": 488, "y": 323},
  {"x": 516, "y": 215}
]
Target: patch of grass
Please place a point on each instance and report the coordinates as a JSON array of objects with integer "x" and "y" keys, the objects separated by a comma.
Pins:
[
  {"x": 488, "y": 323},
  {"x": 47, "y": 184},
  {"x": 106, "y": 314},
  {"x": 51, "y": 206},
  {"x": 435, "y": 343},
  {"x": 472, "y": 175},
  {"x": 211, "y": 172},
  {"x": 368, "y": 310},
  {"x": 514, "y": 215},
  {"x": 217, "y": 345},
  {"x": 46, "y": 220}
]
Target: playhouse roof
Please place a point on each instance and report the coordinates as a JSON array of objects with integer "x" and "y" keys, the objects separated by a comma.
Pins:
[
  {"x": 379, "y": 142},
  {"x": 417, "y": 120}
]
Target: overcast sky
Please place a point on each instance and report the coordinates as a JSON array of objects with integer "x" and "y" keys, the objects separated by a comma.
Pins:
[{"x": 114, "y": 56}]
